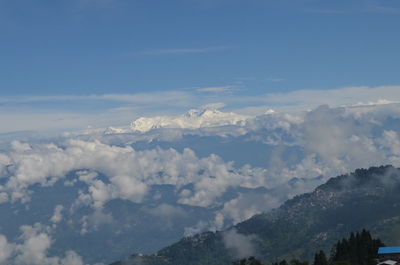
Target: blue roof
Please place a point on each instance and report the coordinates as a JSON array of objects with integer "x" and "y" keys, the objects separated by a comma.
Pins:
[{"x": 388, "y": 250}]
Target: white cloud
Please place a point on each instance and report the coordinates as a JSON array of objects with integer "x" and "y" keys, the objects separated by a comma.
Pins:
[
  {"x": 333, "y": 97},
  {"x": 335, "y": 140},
  {"x": 127, "y": 107},
  {"x": 6, "y": 249},
  {"x": 71, "y": 258},
  {"x": 328, "y": 142},
  {"x": 245, "y": 206},
  {"x": 331, "y": 141},
  {"x": 374, "y": 6},
  {"x": 57, "y": 215},
  {"x": 33, "y": 250},
  {"x": 35, "y": 242},
  {"x": 375, "y": 103},
  {"x": 201, "y": 226},
  {"x": 240, "y": 245},
  {"x": 130, "y": 172},
  {"x": 218, "y": 89},
  {"x": 95, "y": 220},
  {"x": 129, "y": 188}
]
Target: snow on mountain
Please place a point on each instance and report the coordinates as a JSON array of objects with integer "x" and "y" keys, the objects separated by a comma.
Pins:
[
  {"x": 116, "y": 130},
  {"x": 193, "y": 119}
]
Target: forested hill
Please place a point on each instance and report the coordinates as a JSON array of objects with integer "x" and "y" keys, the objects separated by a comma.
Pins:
[
  {"x": 367, "y": 198},
  {"x": 359, "y": 248}
]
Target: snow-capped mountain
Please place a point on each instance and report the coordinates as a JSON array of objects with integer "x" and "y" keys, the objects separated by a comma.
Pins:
[{"x": 193, "y": 119}]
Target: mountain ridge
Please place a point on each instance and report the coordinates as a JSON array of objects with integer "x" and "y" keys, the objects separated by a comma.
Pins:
[
  {"x": 193, "y": 119},
  {"x": 300, "y": 226}
]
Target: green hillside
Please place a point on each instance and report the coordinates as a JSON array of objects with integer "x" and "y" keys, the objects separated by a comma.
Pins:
[{"x": 367, "y": 198}]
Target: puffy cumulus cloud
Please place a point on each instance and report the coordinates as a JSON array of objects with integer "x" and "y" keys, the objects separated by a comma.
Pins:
[
  {"x": 33, "y": 248},
  {"x": 239, "y": 244},
  {"x": 6, "y": 249},
  {"x": 4, "y": 163},
  {"x": 57, "y": 215},
  {"x": 129, "y": 172},
  {"x": 21, "y": 147},
  {"x": 129, "y": 188},
  {"x": 336, "y": 137},
  {"x": 196, "y": 229},
  {"x": 391, "y": 141},
  {"x": 345, "y": 139},
  {"x": 93, "y": 221},
  {"x": 71, "y": 258},
  {"x": 245, "y": 206},
  {"x": 4, "y": 197},
  {"x": 330, "y": 141}
]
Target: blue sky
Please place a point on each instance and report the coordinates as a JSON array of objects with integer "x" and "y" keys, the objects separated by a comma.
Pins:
[{"x": 243, "y": 48}]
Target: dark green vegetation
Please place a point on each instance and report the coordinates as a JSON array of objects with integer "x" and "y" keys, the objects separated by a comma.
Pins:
[
  {"x": 358, "y": 249},
  {"x": 367, "y": 198},
  {"x": 251, "y": 261}
]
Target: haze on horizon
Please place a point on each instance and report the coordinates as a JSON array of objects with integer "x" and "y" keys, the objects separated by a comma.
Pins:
[
  {"x": 146, "y": 121},
  {"x": 67, "y": 65}
]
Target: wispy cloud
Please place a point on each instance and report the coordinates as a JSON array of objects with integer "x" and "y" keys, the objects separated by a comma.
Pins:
[
  {"x": 305, "y": 97},
  {"x": 174, "y": 96},
  {"x": 181, "y": 51},
  {"x": 367, "y": 6},
  {"x": 217, "y": 89},
  {"x": 334, "y": 97},
  {"x": 35, "y": 112},
  {"x": 373, "y": 6}
]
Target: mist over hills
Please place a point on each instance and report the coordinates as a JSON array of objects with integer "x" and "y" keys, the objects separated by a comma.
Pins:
[
  {"x": 145, "y": 190},
  {"x": 196, "y": 132},
  {"x": 367, "y": 198}
]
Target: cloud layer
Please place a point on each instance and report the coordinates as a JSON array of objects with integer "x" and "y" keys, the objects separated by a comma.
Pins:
[
  {"x": 22, "y": 113},
  {"x": 33, "y": 249},
  {"x": 307, "y": 148}
]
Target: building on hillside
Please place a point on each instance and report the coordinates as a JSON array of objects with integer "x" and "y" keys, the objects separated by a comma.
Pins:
[{"x": 389, "y": 255}]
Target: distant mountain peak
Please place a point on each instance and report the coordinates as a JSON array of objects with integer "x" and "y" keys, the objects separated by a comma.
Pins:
[{"x": 193, "y": 119}]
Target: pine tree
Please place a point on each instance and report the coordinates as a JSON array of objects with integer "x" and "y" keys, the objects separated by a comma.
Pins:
[
  {"x": 320, "y": 258},
  {"x": 359, "y": 249}
]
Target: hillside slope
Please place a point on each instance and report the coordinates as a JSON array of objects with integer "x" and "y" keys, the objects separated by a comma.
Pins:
[{"x": 367, "y": 198}]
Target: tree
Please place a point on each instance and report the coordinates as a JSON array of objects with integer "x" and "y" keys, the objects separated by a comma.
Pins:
[
  {"x": 298, "y": 262},
  {"x": 359, "y": 249},
  {"x": 320, "y": 258},
  {"x": 248, "y": 261}
]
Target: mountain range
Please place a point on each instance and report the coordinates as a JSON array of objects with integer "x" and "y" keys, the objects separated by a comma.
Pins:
[
  {"x": 192, "y": 119},
  {"x": 143, "y": 191},
  {"x": 367, "y": 198}
]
